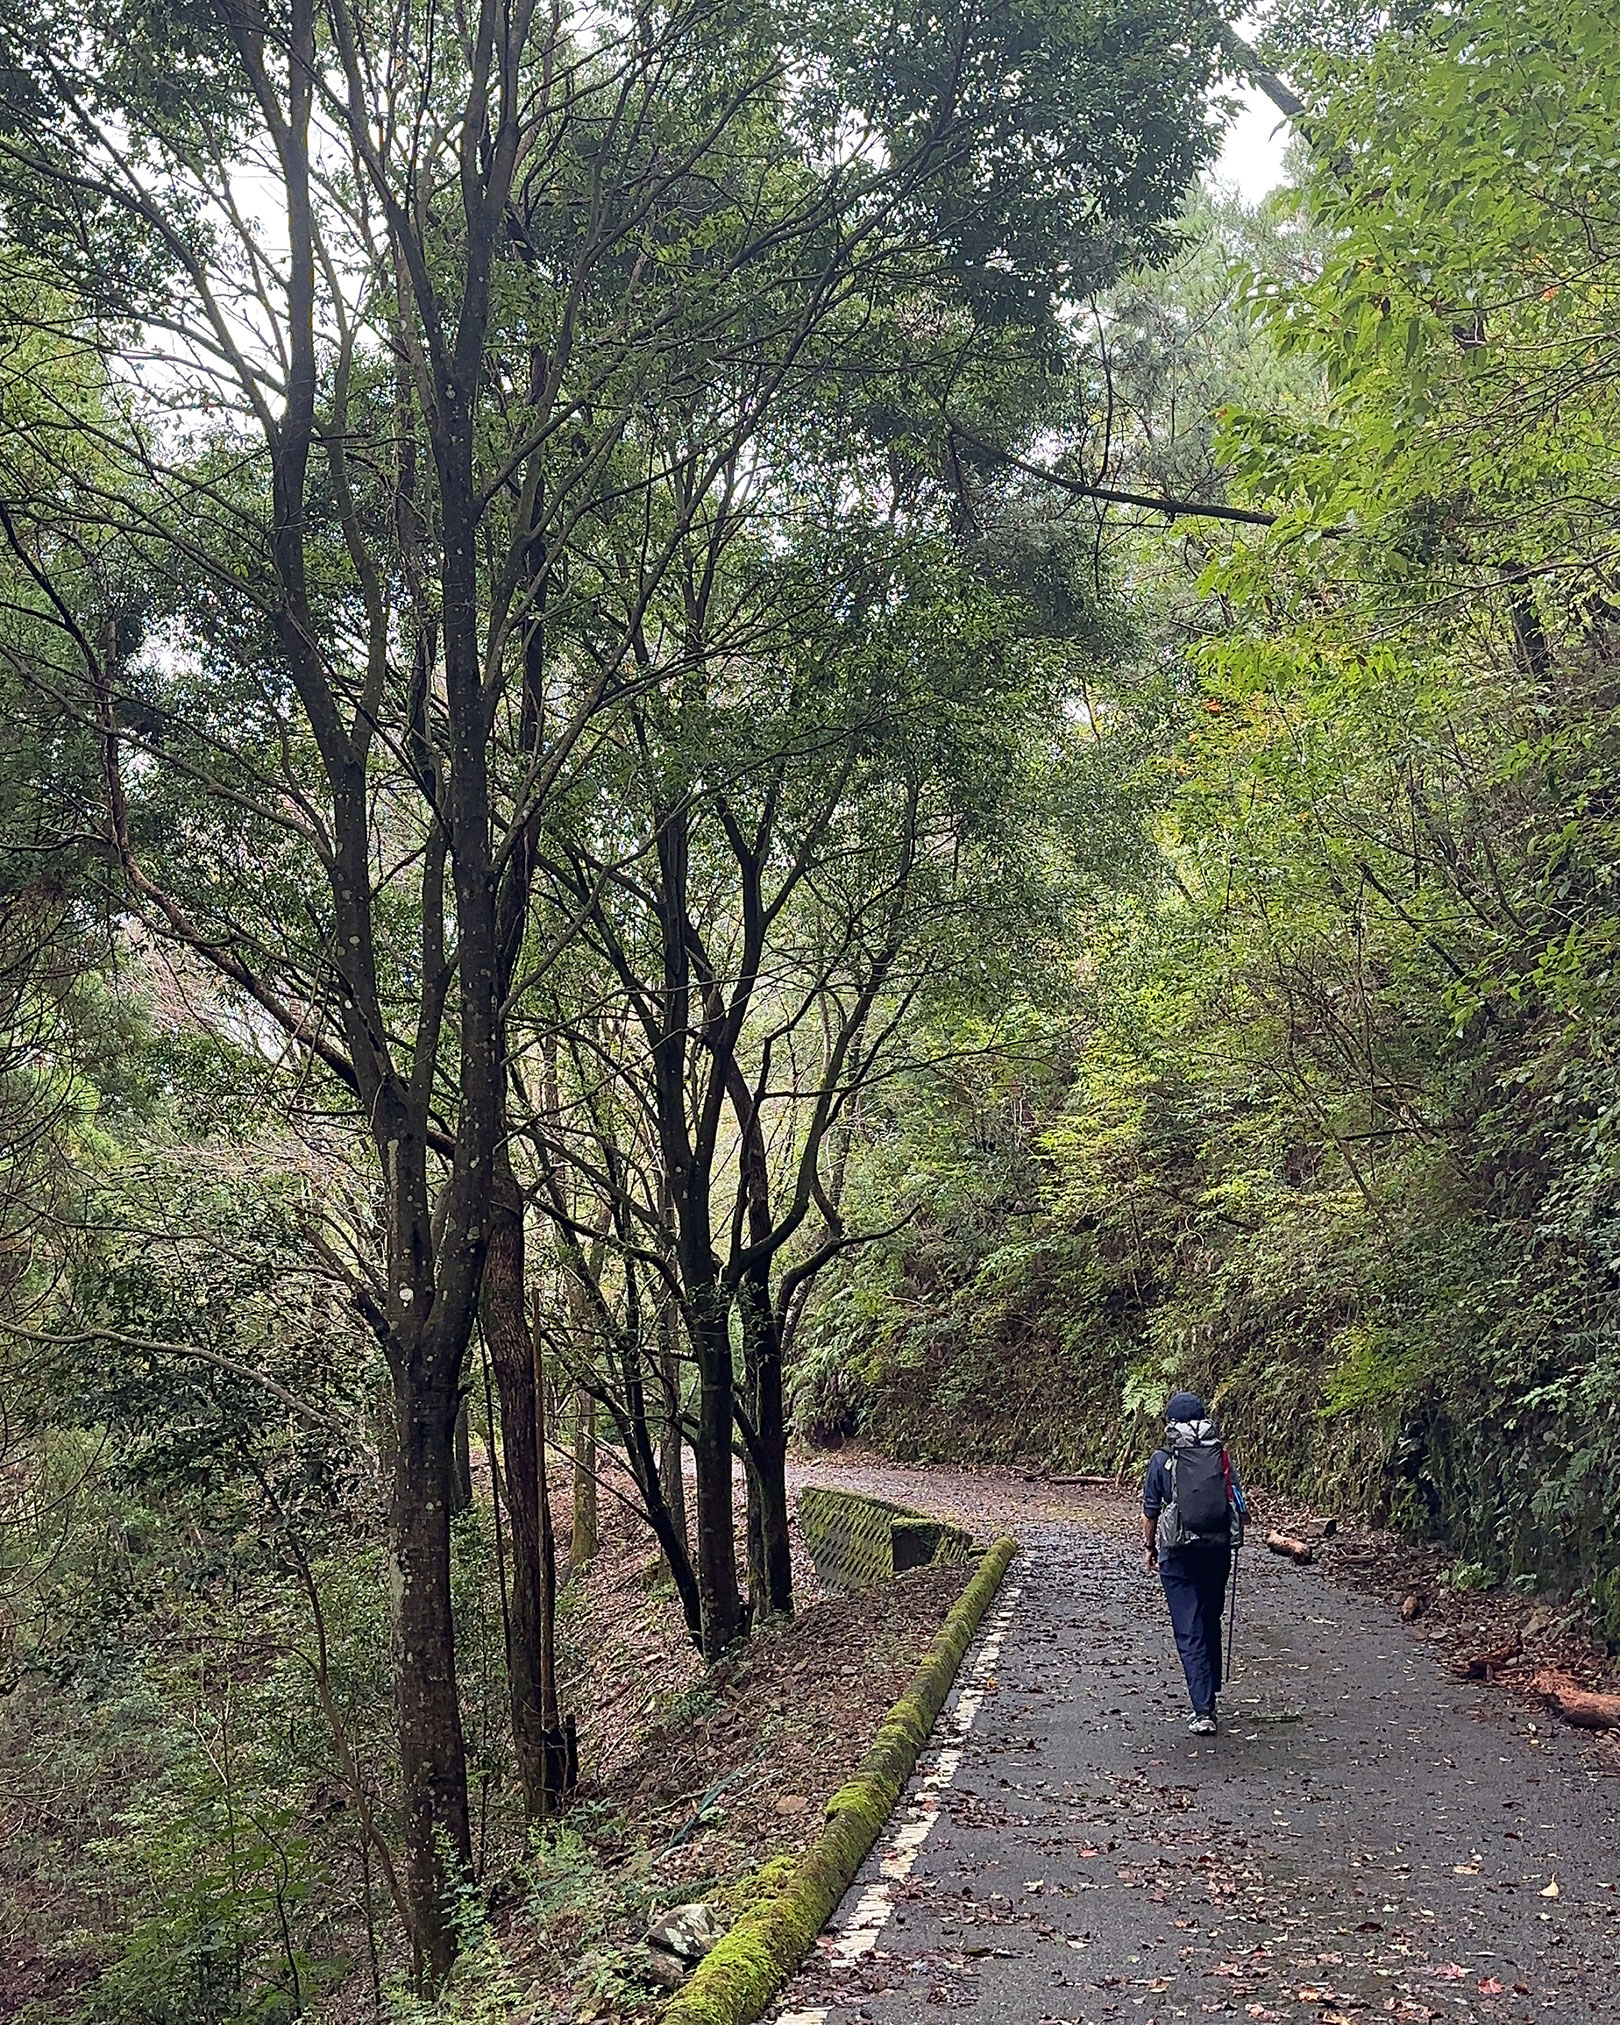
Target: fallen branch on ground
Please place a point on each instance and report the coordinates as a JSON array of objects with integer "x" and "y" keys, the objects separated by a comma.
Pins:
[
  {"x": 1580, "y": 1706},
  {"x": 1481, "y": 1665},
  {"x": 1290, "y": 1548}
]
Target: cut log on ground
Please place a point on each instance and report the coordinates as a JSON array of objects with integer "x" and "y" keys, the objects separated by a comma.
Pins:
[
  {"x": 1582, "y": 1707},
  {"x": 1290, "y": 1548}
]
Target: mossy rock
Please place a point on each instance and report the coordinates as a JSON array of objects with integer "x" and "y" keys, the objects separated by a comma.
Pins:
[
  {"x": 736, "y": 1980},
  {"x": 857, "y": 1542}
]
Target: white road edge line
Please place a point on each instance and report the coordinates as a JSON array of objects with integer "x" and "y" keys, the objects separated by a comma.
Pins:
[{"x": 858, "y": 1935}]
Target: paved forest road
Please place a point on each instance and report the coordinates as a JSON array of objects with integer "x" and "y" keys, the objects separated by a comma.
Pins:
[{"x": 1367, "y": 1838}]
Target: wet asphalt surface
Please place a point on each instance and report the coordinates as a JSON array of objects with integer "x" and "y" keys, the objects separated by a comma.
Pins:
[{"x": 1366, "y": 1839}]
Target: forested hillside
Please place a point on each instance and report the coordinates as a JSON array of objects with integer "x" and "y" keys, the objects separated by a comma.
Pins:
[
  {"x": 1332, "y": 1131},
  {"x": 728, "y": 727}
]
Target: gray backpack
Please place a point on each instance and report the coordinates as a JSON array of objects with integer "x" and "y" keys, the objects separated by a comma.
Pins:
[{"x": 1200, "y": 1506}]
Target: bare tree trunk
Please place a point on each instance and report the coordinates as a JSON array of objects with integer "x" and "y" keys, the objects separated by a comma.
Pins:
[
  {"x": 511, "y": 1353},
  {"x": 461, "y": 1483},
  {"x": 559, "y": 1752},
  {"x": 688, "y": 1167},
  {"x": 671, "y": 1447},
  {"x": 769, "y": 1545},
  {"x": 583, "y": 1544},
  {"x": 437, "y": 1831},
  {"x": 764, "y": 1420},
  {"x": 718, "y": 1596},
  {"x": 770, "y": 1465},
  {"x": 758, "y": 1581},
  {"x": 548, "y": 1559}
]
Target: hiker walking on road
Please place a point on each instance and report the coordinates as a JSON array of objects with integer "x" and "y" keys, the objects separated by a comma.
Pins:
[{"x": 1192, "y": 1522}]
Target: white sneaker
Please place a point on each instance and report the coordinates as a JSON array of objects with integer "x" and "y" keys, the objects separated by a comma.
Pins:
[{"x": 1202, "y": 1726}]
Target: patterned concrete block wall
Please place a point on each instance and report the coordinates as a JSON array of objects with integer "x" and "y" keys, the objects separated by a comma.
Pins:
[{"x": 856, "y": 1542}]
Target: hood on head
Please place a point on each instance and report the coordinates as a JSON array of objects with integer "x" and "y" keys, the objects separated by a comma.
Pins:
[{"x": 1185, "y": 1406}]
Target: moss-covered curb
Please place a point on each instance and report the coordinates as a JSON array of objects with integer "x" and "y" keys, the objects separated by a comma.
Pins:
[{"x": 734, "y": 1983}]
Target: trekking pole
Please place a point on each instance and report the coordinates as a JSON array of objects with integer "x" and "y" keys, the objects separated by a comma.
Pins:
[{"x": 1231, "y": 1614}]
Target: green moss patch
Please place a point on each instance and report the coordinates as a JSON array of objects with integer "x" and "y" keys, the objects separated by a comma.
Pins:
[{"x": 737, "y": 1980}]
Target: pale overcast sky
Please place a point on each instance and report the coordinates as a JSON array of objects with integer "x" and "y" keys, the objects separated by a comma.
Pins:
[{"x": 1251, "y": 160}]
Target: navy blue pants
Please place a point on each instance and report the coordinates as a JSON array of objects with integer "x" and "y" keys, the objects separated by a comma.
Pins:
[{"x": 1194, "y": 1579}]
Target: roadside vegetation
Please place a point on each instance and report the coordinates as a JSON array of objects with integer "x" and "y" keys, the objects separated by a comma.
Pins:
[{"x": 1332, "y": 1130}]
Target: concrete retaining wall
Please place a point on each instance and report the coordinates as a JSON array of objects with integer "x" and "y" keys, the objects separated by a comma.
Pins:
[{"x": 857, "y": 1542}]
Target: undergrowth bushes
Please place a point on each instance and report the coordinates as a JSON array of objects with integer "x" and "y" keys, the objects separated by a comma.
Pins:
[{"x": 1374, "y": 1342}]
